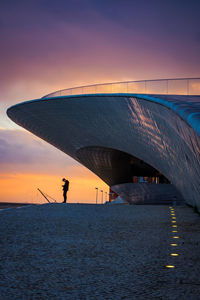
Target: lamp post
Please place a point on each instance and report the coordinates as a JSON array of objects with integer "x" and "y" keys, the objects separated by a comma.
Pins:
[
  {"x": 96, "y": 188},
  {"x": 101, "y": 196}
]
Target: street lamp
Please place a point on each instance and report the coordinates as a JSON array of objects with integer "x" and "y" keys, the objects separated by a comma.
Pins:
[
  {"x": 101, "y": 196},
  {"x": 96, "y": 188}
]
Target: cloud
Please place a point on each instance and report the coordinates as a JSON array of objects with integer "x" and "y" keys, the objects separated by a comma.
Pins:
[
  {"x": 66, "y": 43},
  {"x": 20, "y": 151}
]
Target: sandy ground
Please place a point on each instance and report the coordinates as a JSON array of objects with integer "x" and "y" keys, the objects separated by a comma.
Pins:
[{"x": 58, "y": 251}]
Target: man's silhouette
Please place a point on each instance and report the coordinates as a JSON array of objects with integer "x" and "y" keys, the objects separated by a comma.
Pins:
[{"x": 65, "y": 189}]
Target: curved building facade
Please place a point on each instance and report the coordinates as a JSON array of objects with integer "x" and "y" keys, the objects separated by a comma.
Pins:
[{"x": 122, "y": 136}]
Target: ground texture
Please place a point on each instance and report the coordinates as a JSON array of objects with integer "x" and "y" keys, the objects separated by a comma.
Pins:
[{"x": 74, "y": 251}]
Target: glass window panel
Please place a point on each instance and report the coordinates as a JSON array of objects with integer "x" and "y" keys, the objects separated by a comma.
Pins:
[
  {"x": 136, "y": 87},
  {"x": 177, "y": 87},
  {"x": 66, "y": 92},
  {"x": 156, "y": 87},
  {"x": 194, "y": 87},
  {"x": 89, "y": 89},
  {"x": 103, "y": 88},
  {"x": 119, "y": 87}
]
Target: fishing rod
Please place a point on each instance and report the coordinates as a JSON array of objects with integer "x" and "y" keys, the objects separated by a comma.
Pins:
[
  {"x": 50, "y": 197},
  {"x": 43, "y": 195}
]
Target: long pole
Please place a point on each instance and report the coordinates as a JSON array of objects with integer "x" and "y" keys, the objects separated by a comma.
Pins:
[{"x": 44, "y": 195}]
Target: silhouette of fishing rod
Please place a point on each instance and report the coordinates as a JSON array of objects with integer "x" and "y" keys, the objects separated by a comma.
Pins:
[{"x": 45, "y": 196}]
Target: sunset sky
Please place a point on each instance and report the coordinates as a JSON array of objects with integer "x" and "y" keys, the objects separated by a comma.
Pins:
[{"x": 48, "y": 45}]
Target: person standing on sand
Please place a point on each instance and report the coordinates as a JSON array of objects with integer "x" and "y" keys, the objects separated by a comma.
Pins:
[{"x": 65, "y": 189}]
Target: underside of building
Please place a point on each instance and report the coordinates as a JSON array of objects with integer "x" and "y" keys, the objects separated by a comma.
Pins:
[{"x": 145, "y": 147}]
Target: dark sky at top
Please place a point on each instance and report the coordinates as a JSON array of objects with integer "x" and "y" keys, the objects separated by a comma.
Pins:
[{"x": 48, "y": 45}]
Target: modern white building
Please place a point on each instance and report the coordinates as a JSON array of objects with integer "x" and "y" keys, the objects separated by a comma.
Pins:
[{"x": 141, "y": 138}]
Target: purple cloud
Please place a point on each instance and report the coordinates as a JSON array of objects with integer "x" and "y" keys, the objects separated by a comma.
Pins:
[{"x": 22, "y": 152}]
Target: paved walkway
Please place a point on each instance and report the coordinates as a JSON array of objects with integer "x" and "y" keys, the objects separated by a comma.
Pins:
[{"x": 77, "y": 251}]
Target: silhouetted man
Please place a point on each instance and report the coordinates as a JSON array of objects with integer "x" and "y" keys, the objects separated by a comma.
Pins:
[{"x": 65, "y": 189}]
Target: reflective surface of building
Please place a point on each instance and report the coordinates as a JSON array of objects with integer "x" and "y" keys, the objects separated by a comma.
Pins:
[{"x": 145, "y": 147}]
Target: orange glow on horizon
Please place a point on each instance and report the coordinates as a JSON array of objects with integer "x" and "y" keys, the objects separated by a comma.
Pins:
[{"x": 23, "y": 188}]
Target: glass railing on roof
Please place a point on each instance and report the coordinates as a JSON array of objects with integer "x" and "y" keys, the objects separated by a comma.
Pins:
[{"x": 178, "y": 86}]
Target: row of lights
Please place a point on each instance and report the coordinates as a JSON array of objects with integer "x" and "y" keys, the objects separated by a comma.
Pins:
[
  {"x": 97, "y": 190},
  {"x": 174, "y": 231}
]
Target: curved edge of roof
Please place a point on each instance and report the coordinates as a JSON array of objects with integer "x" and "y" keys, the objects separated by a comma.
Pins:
[{"x": 192, "y": 118}]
